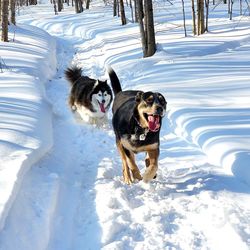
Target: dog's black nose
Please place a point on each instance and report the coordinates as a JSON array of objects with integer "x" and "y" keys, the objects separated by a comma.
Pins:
[
  {"x": 103, "y": 101},
  {"x": 159, "y": 110}
]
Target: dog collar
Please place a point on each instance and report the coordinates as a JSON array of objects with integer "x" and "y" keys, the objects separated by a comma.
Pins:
[
  {"x": 140, "y": 132},
  {"x": 137, "y": 136}
]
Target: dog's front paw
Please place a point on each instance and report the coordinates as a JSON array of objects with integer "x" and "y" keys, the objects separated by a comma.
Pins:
[
  {"x": 127, "y": 178},
  {"x": 149, "y": 174},
  {"x": 137, "y": 175}
]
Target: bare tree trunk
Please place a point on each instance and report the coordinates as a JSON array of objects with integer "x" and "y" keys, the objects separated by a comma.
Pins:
[
  {"x": 136, "y": 11},
  {"x": 184, "y": 18},
  {"x": 118, "y": 8},
  {"x": 32, "y": 2},
  {"x": 76, "y": 6},
  {"x": 230, "y": 9},
  {"x": 146, "y": 25},
  {"x": 141, "y": 26},
  {"x": 194, "y": 18},
  {"x": 80, "y": 5},
  {"x": 0, "y": 11},
  {"x": 150, "y": 30},
  {"x": 55, "y": 7},
  {"x": 115, "y": 8},
  {"x": 123, "y": 17},
  {"x": 87, "y": 4},
  {"x": 13, "y": 11},
  {"x": 200, "y": 7},
  {"x": 207, "y": 13},
  {"x": 5, "y": 15},
  {"x": 132, "y": 11},
  {"x": 60, "y": 5}
]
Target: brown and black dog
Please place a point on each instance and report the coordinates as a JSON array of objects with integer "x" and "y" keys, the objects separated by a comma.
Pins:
[{"x": 137, "y": 118}]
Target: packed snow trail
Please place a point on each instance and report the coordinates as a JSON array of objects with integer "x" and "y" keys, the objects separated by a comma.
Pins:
[
  {"x": 74, "y": 198},
  {"x": 53, "y": 190}
]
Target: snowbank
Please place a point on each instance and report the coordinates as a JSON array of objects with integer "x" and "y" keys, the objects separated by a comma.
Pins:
[{"x": 27, "y": 62}]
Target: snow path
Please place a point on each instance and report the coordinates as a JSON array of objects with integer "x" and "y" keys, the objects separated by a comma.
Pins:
[
  {"x": 65, "y": 172},
  {"x": 74, "y": 197}
]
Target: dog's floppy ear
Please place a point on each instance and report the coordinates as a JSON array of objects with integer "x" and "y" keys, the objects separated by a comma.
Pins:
[{"x": 138, "y": 96}]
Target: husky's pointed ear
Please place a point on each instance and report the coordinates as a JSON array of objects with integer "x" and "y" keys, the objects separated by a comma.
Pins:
[{"x": 138, "y": 96}]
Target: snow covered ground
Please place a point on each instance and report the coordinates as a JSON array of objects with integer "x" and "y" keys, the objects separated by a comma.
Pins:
[{"x": 60, "y": 179}]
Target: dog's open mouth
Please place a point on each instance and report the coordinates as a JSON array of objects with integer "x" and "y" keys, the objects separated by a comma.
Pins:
[
  {"x": 153, "y": 122},
  {"x": 102, "y": 108}
]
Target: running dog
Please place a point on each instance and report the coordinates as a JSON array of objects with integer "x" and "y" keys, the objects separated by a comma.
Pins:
[
  {"x": 137, "y": 119},
  {"x": 89, "y": 97}
]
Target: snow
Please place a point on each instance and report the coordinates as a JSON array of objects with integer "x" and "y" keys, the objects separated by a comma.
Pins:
[
  {"x": 60, "y": 179},
  {"x": 26, "y": 131}
]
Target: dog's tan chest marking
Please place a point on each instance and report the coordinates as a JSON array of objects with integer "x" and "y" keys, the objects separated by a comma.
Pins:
[{"x": 137, "y": 149}]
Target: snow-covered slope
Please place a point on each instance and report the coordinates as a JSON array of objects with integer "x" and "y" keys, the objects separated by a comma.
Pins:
[
  {"x": 74, "y": 197},
  {"x": 27, "y": 62}
]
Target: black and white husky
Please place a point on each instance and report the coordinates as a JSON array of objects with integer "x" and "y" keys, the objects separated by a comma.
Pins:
[{"x": 89, "y": 97}]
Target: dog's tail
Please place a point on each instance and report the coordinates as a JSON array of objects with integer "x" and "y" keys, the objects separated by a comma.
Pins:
[
  {"x": 72, "y": 74},
  {"x": 115, "y": 83}
]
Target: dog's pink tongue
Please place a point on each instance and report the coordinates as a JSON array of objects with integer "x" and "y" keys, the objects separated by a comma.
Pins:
[
  {"x": 102, "y": 107},
  {"x": 153, "y": 123}
]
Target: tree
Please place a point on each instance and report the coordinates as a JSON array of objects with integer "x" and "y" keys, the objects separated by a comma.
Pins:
[
  {"x": 207, "y": 13},
  {"x": 55, "y": 7},
  {"x": 184, "y": 17},
  {"x": 123, "y": 17},
  {"x": 13, "y": 11},
  {"x": 78, "y": 6},
  {"x": 60, "y": 5},
  {"x": 115, "y": 8},
  {"x": 141, "y": 26},
  {"x": 4, "y": 19},
  {"x": 230, "y": 9},
  {"x": 146, "y": 25},
  {"x": 200, "y": 17},
  {"x": 132, "y": 11},
  {"x": 136, "y": 11},
  {"x": 87, "y": 4},
  {"x": 194, "y": 18},
  {"x": 149, "y": 24}
]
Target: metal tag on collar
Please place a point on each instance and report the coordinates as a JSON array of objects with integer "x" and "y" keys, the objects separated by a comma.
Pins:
[{"x": 142, "y": 137}]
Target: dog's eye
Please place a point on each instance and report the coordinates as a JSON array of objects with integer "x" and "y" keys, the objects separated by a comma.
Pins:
[
  {"x": 161, "y": 99},
  {"x": 99, "y": 95},
  {"x": 150, "y": 99}
]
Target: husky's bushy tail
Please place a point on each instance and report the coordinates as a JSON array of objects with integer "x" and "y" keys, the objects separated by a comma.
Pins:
[
  {"x": 115, "y": 83},
  {"x": 73, "y": 74}
]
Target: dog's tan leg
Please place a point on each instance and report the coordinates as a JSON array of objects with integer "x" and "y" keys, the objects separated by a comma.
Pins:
[
  {"x": 131, "y": 162},
  {"x": 125, "y": 169},
  {"x": 147, "y": 161},
  {"x": 151, "y": 169}
]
